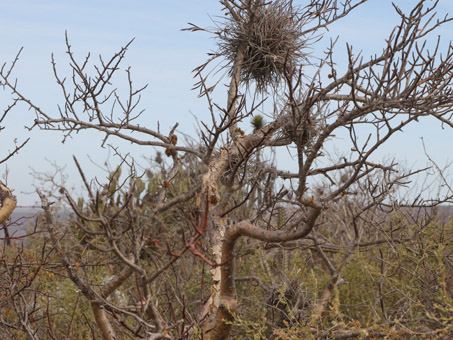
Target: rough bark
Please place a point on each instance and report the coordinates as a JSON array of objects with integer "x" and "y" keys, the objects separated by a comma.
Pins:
[
  {"x": 8, "y": 203},
  {"x": 242, "y": 146},
  {"x": 227, "y": 301},
  {"x": 104, "y": 325}
]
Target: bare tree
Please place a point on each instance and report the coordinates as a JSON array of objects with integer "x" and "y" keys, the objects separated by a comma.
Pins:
[
  {"x": 7, "y": 200},
  {"x": 209, "y": 196}
]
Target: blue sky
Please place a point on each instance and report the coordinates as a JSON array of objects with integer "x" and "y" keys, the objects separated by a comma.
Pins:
[{"x": 161, "y": 56}]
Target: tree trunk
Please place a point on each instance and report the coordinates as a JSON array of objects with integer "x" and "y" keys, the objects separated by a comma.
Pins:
[{"x": 7, "y": 201}]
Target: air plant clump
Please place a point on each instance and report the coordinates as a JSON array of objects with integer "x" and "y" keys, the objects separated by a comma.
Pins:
[
  {"x": 257, "y": 122},
  {"x": 301, "y": 128},
  {"x": 272, "y": 36}
]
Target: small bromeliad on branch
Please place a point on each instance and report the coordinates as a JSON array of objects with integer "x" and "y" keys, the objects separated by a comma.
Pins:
[{"x": 257, "y": 122}]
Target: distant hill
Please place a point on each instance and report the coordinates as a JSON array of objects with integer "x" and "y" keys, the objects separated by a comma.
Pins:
[{"x": 21, "y": 220}]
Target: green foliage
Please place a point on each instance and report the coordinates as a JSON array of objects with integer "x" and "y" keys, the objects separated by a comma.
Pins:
[
  {"x": 253, "y": 330},
  {"x": 114, "y": 177},
  {"x": 388, "y": 287},
  {"x": 257, "y": 122},
  {"x": 139, "y": 186}
]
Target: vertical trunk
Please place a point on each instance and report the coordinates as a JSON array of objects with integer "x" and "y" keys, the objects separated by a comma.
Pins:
[
  {"x": 103, "y": 323},
  {"x": 218, "y": 224},
  {"x": 226, "y": 294}
]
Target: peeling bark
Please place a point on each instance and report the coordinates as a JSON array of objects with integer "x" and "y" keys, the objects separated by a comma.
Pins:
[
  {"x": 221, "y": 305},
  {"x": 243, "y": 145},
  {"x": 227, "y": 301},
  {"x": 103, "y": 323}
]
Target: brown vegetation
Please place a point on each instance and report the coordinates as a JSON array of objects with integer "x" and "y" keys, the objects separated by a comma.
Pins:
[{"x": 218, "y": 241}]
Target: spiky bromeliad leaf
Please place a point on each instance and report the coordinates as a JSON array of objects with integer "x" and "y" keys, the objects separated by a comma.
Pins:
[{"x": 257, "y": 122}]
